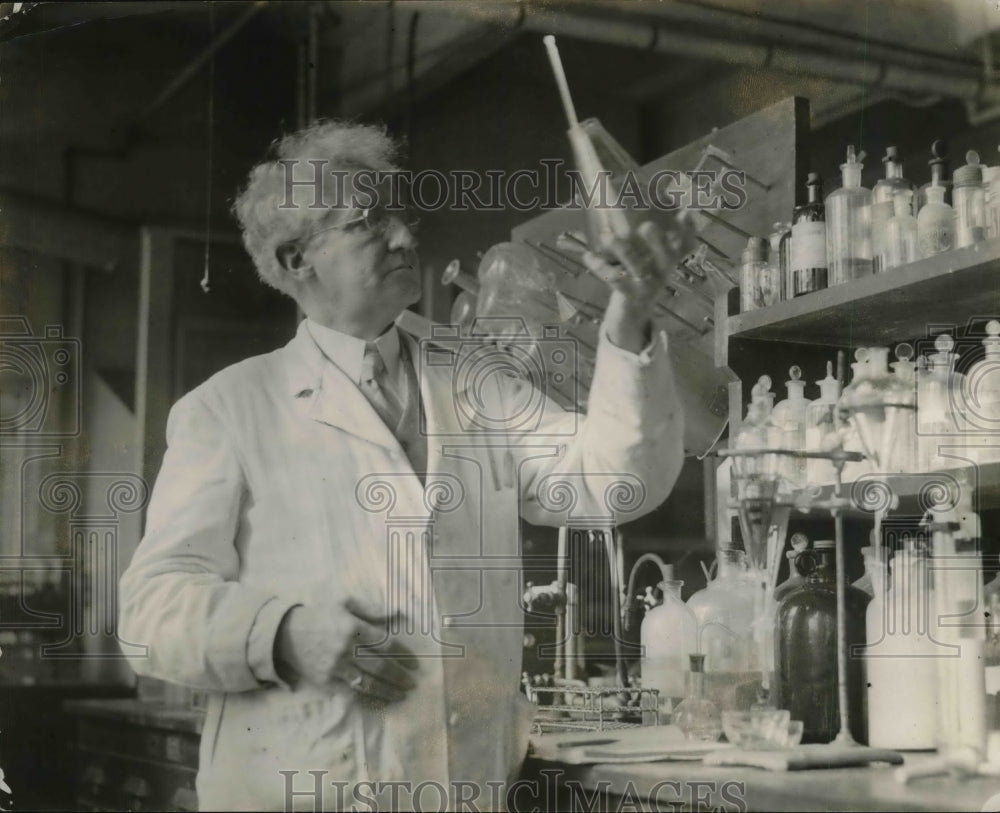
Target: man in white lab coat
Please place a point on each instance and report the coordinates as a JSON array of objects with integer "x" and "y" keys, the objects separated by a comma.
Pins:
[{"x": 342, "y": 577}]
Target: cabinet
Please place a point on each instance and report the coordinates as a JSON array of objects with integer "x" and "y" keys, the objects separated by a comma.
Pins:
[{"x": 135, "y": 755}]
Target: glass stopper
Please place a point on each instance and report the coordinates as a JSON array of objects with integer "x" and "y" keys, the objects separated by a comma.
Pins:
[{"x": 944, "y": 343}]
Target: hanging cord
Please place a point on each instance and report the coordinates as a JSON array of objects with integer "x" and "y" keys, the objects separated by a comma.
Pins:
[{"x": 205, "y": 284}]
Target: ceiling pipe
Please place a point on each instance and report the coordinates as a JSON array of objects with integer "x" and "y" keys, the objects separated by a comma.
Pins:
[{"x": 915, "y": 74}]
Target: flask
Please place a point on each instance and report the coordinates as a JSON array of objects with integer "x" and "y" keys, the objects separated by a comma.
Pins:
[
  {"x": 668, "y": 635},
  {"x": 806, "y": 648},
  {"x": 981, "y": 397},
  {"x": 760, "y": 283},
  {"x": 900, "y": 245},
  {"x": 901, "y": 673},
  {"x": 821, "y": 428},
  {"x": 848, "y": 225},
  {"x": 936, "y": 219},
  {"x": 807, "y": 252},
  {"x": 724, "y": 610},
  {"x": 969, "y": 199},
  {"x": 696, "y": 715},
  {"x": 789, "y": 416},
  {"x": 884, "y": 205}
]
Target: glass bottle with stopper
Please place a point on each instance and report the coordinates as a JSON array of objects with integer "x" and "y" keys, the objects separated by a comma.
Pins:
[
  {"x": 936, "y": 219},
  {"x": 969, "y": 199},
  {"x": 807, "y": 248},
  {"x": 939, "y": 420},
  {"x": 821, "y": 428},
  {"x": 668, "y": 634},
  {"x": 790, "y": 417},
  {"x": 848, "y": 225},
  {"x": 900, "y": 246},
  {"x": 756, "y": 428},
  {"x": 884, "y": 205}
]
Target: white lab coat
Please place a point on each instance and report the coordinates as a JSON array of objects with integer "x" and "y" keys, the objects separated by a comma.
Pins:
[{"x": 281, "y": 486}]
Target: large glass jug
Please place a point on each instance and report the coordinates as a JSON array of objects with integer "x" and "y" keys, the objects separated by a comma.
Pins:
[
  {"x": 725, "y": 613},
  {"x": 805, "y": 651}
]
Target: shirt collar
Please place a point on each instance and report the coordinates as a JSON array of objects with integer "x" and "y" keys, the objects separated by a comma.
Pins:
[{"x": 347, "y": 351}]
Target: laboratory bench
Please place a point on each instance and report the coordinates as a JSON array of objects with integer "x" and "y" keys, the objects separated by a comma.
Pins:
[{"x": 691, "y": 785}]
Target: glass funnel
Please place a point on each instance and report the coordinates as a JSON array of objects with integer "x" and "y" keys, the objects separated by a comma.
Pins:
[{"x": 874, "y": 403}]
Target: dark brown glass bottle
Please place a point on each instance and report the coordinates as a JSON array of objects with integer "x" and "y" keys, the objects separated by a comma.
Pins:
[
  {"x": 807, "y": 248},
  {"x": 805, "y": 642}
]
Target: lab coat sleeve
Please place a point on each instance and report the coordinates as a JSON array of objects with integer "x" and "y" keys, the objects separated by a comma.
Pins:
[
  {"x": 179, "y": 598},
  {"x": 633, "y": 432}
]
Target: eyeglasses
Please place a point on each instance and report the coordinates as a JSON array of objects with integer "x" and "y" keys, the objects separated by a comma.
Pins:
[{"x": 375, "y": 221}]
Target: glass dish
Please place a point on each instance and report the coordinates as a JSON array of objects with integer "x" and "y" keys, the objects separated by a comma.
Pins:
[{"x": 759, "y": 728}]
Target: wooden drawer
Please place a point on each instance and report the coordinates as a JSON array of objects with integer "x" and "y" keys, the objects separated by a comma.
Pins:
[
  {"x": 148, "y": 743},
  {"x": 113, "y": 782}
]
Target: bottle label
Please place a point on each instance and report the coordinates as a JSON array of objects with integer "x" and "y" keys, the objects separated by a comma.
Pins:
[
  {"x": 808, "y": 249},
  {"x": 935, "y": 241}
]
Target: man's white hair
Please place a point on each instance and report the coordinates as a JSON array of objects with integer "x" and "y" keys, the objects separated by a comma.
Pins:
[{"x": 266, "y": 225}]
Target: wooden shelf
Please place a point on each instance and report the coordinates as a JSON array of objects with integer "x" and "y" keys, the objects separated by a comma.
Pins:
[{"x": 886, "y": 308}]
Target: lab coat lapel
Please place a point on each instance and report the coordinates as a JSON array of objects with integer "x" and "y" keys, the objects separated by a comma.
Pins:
[{"x": 327, "y": 395}]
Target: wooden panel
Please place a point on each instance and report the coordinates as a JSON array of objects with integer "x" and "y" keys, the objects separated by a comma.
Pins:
[
  {"x": 900, "y": 304},
  {"x": 54, "y": 230}
]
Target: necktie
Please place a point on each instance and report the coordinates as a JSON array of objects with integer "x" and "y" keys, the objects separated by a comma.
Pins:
[
  {"x": 375, "y": 386},
  {"x": 401, "y": 417}
]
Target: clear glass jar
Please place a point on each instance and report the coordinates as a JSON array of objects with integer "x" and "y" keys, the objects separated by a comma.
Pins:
[
  {"x": 760, "y": 283},
  {"x": 969, "y": 199}
]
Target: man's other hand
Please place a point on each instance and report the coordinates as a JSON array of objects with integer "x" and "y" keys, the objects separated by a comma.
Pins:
[{"x": 320, "y": 649}]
